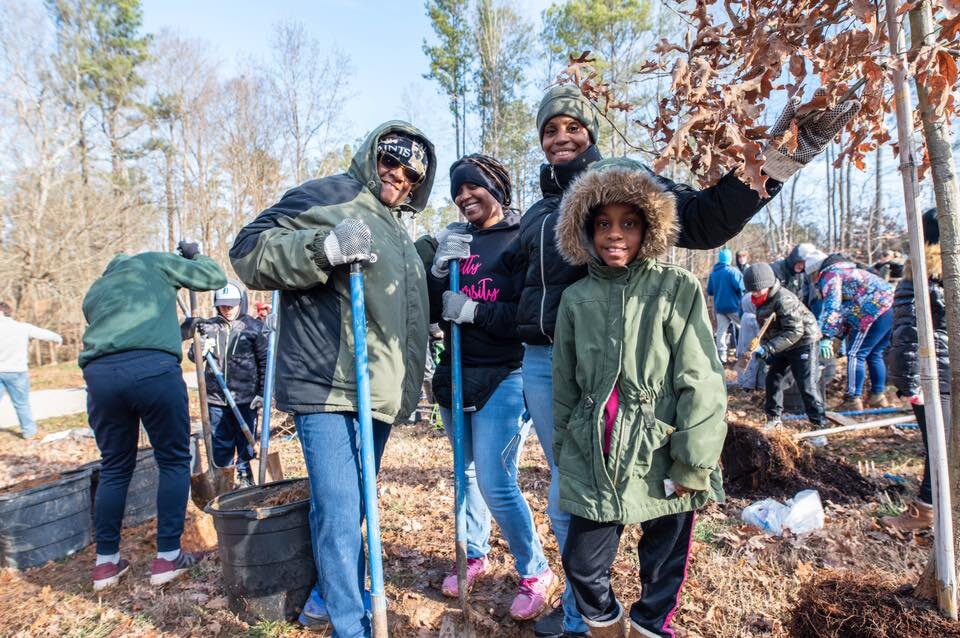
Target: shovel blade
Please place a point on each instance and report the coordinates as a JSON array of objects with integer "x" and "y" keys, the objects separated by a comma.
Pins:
[
  {"x": 274, "y": 467},
  {"x": 208, "y": 485}
]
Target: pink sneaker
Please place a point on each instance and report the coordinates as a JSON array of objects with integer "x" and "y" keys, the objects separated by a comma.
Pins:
[
  {"x": 533, "y": 596},
  {"x": 475, "y": 567}
]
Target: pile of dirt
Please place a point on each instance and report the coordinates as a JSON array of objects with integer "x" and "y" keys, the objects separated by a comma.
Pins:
[
  {"x": 865, "y": 605},
  {"x": 759, "y": 465}
]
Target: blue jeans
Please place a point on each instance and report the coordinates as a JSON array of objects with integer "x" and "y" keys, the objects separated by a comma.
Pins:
[
  {"x": 868, "y": 348},
  {"x": 228, "y": 438},
  {"x": 538, "y": 389},
  {"x": 493, "y": 439},
  {"x": 331, "y": 449},
  {"x": 17, "y": 385}
]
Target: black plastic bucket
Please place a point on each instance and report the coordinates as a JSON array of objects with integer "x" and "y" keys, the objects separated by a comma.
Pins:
[
  {"x": 45, "y": 522},
  {"x": 265, "y": 552},
  {"x": 141, "y": 494},
  {"x": 793, "y": 402}
]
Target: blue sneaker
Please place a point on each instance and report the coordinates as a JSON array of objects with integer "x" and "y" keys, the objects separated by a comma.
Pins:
[{"x": 315, "y": 617}]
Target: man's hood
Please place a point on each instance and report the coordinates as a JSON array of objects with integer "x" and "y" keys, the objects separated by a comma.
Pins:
[
  {"x": 363, "y": 167},
  {"x": 610, "y": 181}
]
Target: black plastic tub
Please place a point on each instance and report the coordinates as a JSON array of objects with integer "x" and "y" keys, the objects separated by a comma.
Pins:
[
  {"x": 141, "y": 495},
  {"x": 45, "y": 522},
  {"x": 265, "y": 552}
]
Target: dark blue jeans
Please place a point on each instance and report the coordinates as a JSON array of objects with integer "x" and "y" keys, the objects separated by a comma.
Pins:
[
  {"x": 122, "y": 390},
  {"x": 331, "y": 449},
  {"x": 228, "y": 438}
]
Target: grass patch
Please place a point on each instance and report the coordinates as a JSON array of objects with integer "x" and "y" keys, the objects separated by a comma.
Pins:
[
  {"x": 706, "y": 529},
  {"x": 60, "y": 423},
  {"x": 271, "y": 629},
  {"x": 60, "y": 375}
]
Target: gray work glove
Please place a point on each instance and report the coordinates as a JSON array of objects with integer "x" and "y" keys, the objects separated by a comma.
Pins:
[
  {"x": 812, "y": 136},
  {"x": 270, "y": 322},
  {"x": 452, "y": 243},
  {"x": 257, "y": 403},
  {"x": 349, "y": 241},
  {"x": 458, "y": 308}
]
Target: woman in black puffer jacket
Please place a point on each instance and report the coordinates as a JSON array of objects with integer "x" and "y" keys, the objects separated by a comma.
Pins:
[{"x": 903, "y": 362}]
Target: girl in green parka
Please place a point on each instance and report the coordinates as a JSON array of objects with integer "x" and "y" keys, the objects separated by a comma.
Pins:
[{"x": 639, "y": 398}]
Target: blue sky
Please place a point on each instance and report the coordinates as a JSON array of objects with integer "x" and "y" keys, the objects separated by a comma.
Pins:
[{"x": 383, "y": 39}]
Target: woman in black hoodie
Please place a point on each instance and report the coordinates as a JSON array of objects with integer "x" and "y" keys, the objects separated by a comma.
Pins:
[
  {"x": 569, "y": 130},
  {"x": 485, "y": 307}
]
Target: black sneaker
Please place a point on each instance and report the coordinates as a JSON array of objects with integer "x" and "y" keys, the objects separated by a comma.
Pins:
[{"x": 551, "y": 626}]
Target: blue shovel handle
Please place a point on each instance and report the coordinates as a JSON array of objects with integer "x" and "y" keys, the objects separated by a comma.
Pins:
[
  {"x": 367, "y": 460},
  {"x": 459, "y": 461}
]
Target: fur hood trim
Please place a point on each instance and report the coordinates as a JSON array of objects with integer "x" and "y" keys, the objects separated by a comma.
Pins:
[
  {"x": 934, "y": 263},
  {"x": 615, "y": 181}
]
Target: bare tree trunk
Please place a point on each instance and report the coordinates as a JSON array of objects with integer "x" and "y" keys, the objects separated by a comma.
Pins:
[{"x": 938, "y": 139}]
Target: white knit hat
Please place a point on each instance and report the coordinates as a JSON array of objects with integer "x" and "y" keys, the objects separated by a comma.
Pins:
[{"x": 812, "y": 261}]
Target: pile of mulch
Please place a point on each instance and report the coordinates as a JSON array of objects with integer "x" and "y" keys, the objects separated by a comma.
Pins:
[
  {"x": 758, "y": 464},
  {"x": 865, "y": 605},
  {"x": 299, "y": 491}
]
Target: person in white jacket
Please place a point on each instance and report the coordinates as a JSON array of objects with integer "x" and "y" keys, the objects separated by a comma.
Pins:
[{"x": 14, "y": 338}]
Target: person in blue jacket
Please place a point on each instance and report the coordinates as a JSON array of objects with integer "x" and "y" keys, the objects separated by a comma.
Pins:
[{"x": 726, "y": 287}]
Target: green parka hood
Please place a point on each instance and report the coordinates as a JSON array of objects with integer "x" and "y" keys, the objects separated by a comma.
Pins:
[
  {"x": 363, "y": 167},
  {"x": 610, "y": 181}
]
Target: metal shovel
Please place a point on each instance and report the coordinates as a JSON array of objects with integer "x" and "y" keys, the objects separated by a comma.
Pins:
[
  {"x": 271, "y": 465},
  {"x": 459, "y": 460},
  {"x": 207, "y": 484}
]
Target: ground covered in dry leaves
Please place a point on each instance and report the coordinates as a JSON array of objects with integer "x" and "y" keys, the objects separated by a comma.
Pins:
[{"x": 849, "y": 579}]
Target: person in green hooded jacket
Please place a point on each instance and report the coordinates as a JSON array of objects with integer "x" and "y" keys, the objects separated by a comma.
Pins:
[
  {"x": 303, "y": 246},
  {"x": 639, "y": 397}
]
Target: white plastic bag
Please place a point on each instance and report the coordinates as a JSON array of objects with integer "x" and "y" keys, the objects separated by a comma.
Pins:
[
  {"x": 806, "y": 512},
  {"x": 767, "y": 514},
  {"x": 803, "y": 513}
]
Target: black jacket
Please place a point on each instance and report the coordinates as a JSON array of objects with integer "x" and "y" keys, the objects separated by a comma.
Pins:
[
  {"x": 794, "y": 326},
  {"x": 707, "y": 219},
  {"x": 241, "y": 353},
  {"x": 902, "y": 358},
  {"x": 796, "y": 282},
  {"x": 493, "y": 277}
]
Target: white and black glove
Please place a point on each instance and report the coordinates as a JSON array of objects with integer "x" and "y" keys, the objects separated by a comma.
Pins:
[
  {"x": 812, "y": 136},
  {"x": 209, "y": 345},
  {"x": 453, "y": 242},
  {"x": 349, "y": 241},
  {"x": 458, "y": 308},
  {"x": 257, "y": 403}
]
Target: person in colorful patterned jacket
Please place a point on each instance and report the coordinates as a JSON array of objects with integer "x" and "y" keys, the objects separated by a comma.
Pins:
[{"x": 855, "y": 302}]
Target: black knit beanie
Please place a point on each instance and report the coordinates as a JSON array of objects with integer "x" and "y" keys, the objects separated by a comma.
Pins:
[
  {"x": 463, "y": 172},
  {"x": 758, "y": 277}
]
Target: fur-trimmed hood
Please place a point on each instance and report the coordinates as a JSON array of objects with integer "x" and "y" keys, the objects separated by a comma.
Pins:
[
  {"x": 934, "y": 262},
  {"x": 609, "y": 181}
]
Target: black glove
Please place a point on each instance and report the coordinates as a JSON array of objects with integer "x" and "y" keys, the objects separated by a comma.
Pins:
[{"x": 188, "y": 249}]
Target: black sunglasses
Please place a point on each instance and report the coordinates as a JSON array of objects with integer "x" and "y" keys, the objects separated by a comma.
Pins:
[{"x": 392, "y": 162}]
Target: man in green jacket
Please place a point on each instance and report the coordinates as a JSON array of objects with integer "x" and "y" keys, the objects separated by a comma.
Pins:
[
  {"x": 639, "y": 397},
  {"x": 131, "y": 364},
  {"x": 303, "y": 246}
]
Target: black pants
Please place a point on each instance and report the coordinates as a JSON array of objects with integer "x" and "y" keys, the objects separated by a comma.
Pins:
[
  {"x": 123, "y": 390},
  {"x": 228, "y": 437},
  {"x": 663, "y": 551},
  {"x": 804, "y": 362}
]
